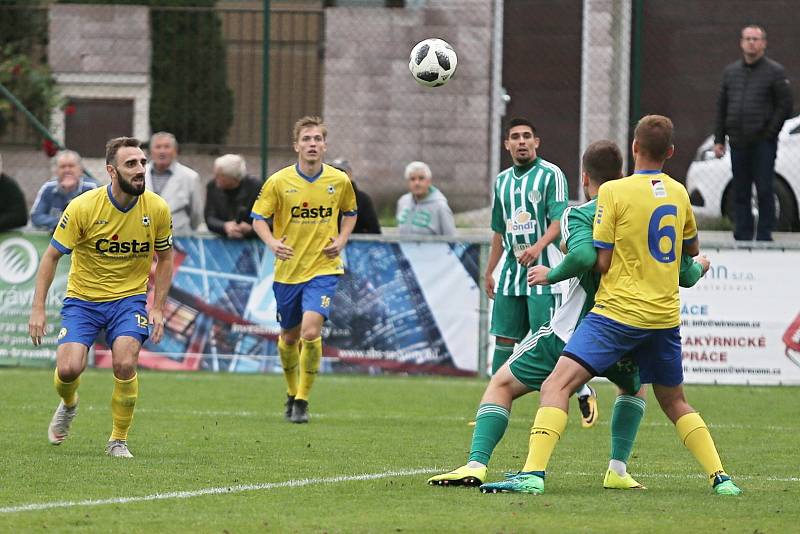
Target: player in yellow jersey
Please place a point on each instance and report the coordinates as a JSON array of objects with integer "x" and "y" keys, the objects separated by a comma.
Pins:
[
  {"x": 111, "y": 233},
  {"x": 643, "y": 223},
  {"x": 303, "y": 201}
]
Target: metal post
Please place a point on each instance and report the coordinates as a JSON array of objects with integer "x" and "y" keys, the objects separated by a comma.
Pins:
[
  {"x": 483, "y": 314},
  {"x": 265, "y": 93}
]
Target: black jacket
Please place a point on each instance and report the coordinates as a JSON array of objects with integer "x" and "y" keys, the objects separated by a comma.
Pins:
[
  {"x": 754, "y": 100},
  {"x": 223, "y": 205},
  {"x": 367, "y": 221},
  {"x": 15, "y": 210}
]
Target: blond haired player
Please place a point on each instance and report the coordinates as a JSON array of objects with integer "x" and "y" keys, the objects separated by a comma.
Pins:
[{"x": 303, "y": 202}]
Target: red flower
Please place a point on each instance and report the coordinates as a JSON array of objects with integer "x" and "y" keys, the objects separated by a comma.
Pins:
[
  {"x": 16, "y": 69},
  {"x": 69, "y": 109},
  {"x": 49, "y": 147}
]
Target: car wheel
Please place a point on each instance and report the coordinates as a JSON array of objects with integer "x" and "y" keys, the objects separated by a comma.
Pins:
[{"x": 785, "y": 206}]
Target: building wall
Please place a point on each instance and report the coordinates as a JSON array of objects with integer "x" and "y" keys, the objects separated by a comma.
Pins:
[{"x": 381, "y": 120}]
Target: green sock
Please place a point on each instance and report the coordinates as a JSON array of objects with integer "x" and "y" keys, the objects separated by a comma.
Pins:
[
  {"x": 491, "y": 422},
  {"x": 625, "y": 421},
  {"x": 502, "y": 353}
]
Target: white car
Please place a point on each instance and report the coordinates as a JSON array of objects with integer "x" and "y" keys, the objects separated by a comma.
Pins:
[{"x": 708, "y": 180}]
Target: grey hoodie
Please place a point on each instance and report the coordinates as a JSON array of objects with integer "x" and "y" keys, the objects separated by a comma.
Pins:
[{"x": 430, "y": 216}]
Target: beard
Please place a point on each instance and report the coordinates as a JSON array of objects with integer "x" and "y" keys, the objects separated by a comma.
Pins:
[{"x": 128, "y": 187}]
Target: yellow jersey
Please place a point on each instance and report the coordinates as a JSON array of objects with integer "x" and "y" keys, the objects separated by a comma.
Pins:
[
  {"x": 646, "y": 219},
  {"x": 111, "y": 247},
  {"x": 305, "y": 210}
]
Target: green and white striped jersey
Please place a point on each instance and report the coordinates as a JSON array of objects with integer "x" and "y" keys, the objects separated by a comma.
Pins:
[
  {"x": 576, "y": 230},
  {"x": 526, "y": 200}
]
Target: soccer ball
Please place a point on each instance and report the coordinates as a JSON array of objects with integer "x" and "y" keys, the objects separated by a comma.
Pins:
[{"x": 433, "y": 62}]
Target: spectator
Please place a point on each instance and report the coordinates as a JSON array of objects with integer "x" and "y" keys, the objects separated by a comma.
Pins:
[
  {"x": 424, "y": 209},
  {"x": 754, "y": 101},
  {"x": 176, "y": 183},
  {"x": 367, "y": 221},
  {"x": 230, "y": 197},
  {"x": 55, "y": 194},
  {"x": 15, "y": 209}
]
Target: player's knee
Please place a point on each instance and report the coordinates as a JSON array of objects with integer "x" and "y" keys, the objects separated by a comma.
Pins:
[
  {"x": 69, "y": 371},
  {"x": 124, "y": 370},
  {"x": 310, "y": 332}
]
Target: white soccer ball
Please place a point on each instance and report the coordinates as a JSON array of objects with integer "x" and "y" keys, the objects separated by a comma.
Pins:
[{"x": 433, "y": 62}]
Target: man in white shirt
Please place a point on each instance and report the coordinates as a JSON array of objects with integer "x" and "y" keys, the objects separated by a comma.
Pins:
[{"x": 176, "y": 183}]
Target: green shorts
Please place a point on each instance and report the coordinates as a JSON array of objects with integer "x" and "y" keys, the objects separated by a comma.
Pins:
[
  {"x": 514, "y": 317},
  {"x": 536, "y": 356}
]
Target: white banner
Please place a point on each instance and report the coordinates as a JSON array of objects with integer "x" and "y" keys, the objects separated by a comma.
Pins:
[{"x": 741, "y": 323}]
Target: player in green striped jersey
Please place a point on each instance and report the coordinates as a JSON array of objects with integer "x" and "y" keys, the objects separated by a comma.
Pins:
[
  {"x": 536, "y": 356},
  {"x": 529, "y": 198}
]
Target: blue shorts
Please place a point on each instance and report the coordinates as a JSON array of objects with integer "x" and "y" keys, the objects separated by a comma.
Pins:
[
  {"x": 599, "y": 342},
  {"x": 82, "y": 320},
  {"x": 295, "y": 299}
]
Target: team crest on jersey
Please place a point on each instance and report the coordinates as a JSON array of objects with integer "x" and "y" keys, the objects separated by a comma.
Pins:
[
  {"x": 331, "y": 190},
  {"x": 535, "y": 196},
  {"x": 659, "y": 191},
  {"x": 62, "y": 333},
  {"x": 145, "y": 220},
  {"x": 521, "y": 223}
]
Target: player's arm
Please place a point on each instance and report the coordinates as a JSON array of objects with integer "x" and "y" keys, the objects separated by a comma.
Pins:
[
  {"x": 281, "y": 250},
  {"x": 692, "y": 269},
  {"x": 532, "y": 253},
  {"x": 579, "y": 260},
  {"x": 495, "y": 253},
  {"x": 603, "y": 262},
  {"x": 338, "y": 244},
  {"x": 44, "y": 279},
  {"x": 163, "y": 280},
  {"x": 604, "y": 229}
]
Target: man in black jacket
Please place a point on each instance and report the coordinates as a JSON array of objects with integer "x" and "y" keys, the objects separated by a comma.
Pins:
[
  {"x": 15, "y": 209},
  {"x": 754, "y": 101},
  {"x": 230, "y": 197},
  {"x": 367, "y": 222}
]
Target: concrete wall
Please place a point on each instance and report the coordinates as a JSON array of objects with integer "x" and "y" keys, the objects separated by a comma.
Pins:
[{"x": 380, "y": 119}]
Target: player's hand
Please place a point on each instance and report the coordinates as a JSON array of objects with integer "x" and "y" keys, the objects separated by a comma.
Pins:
[
  {"x": 489, "y": 282},
  {"x": 245, "y": 228},
  {"x": 37, "y": 326},
  {"x": 704, "y": 261},
  {"x": 529, "y": 256},
  {"x": 156, "y": 318},
  {"x": 334, "y": 248},
  {"x": 719, "y": 150},
  {"x": 537, "y": 275},
  {"x": 281, "y": 250}
]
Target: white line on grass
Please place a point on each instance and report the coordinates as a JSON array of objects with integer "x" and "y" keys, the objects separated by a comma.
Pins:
[{"x": 224, "y": 490}]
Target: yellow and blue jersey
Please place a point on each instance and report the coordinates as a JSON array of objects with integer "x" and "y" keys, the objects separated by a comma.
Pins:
[
  {"x": 111, "y": 247},
  {"x": 646, "y": 218},
  {"x": 305, "y": 210}
]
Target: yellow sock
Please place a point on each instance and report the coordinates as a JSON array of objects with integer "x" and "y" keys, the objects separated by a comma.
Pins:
[
  {"x": 547, "y": 428},
  {"x": 695, "y": 435},
  {"x": 310, "y": 356},
  {"x": 123, "y": 401},
  {"x": 290, "y": 356},
  {"x": 66, "y": 390}
]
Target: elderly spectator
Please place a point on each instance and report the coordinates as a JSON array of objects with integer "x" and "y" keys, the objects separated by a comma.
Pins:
[
  {"x": 176, "y": 183},
  {"x": 15, "y": 210},
  {"x": 424, "y": 209},
  {"x": 230, "y": 197},
  {"x": 367, "y": 221},
  {"x": 55, "y": 194}
]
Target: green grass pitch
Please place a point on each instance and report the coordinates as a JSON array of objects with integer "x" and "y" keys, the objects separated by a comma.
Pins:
[{"x": 213, "y": 454}]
